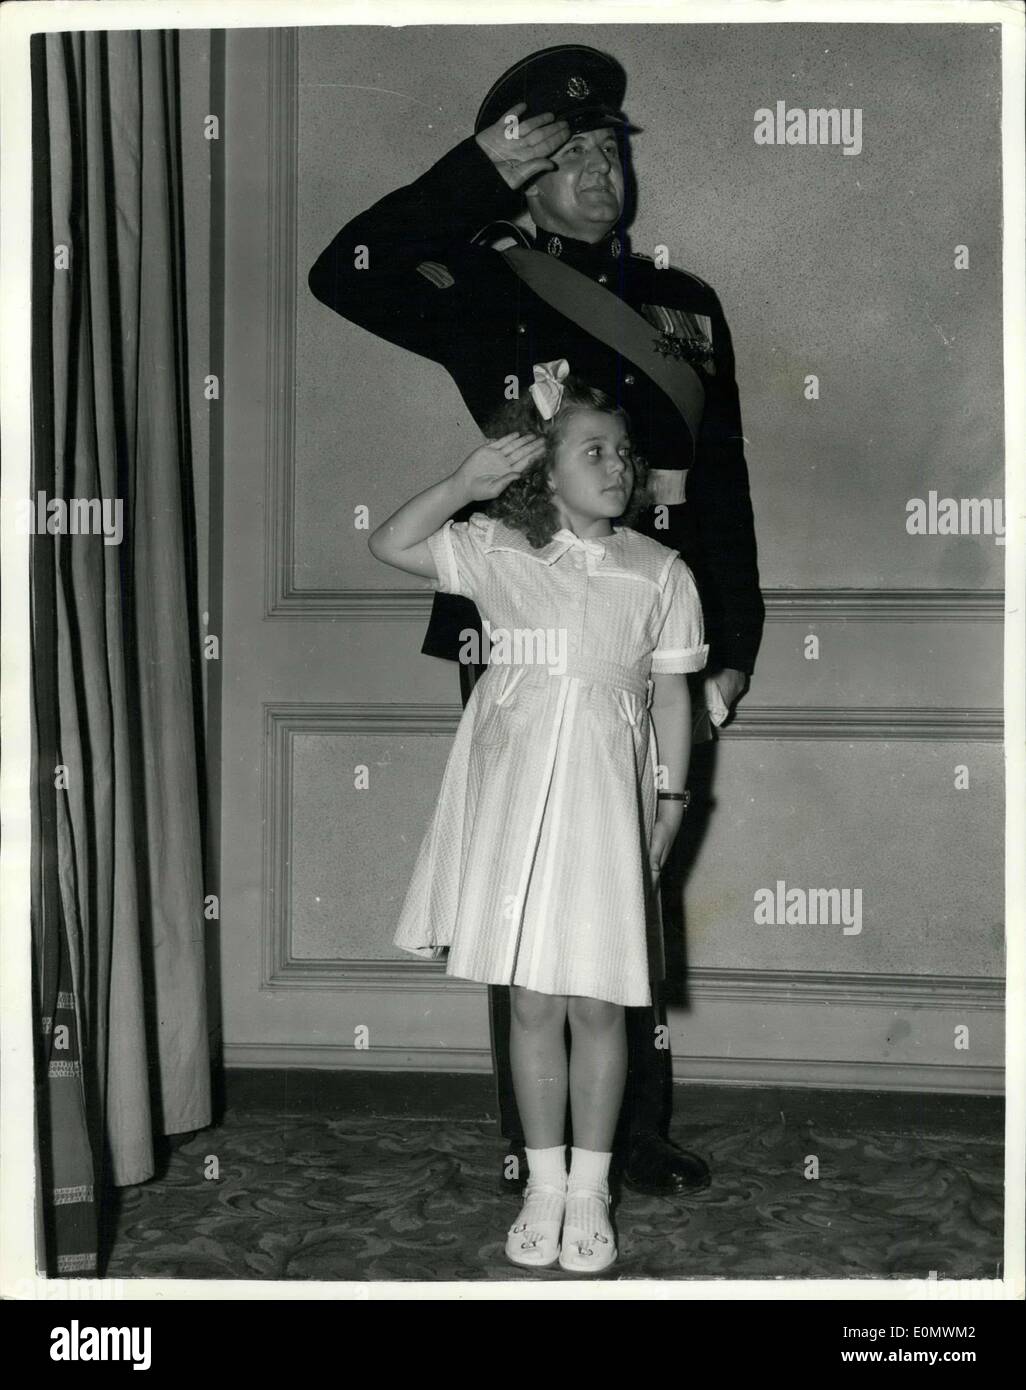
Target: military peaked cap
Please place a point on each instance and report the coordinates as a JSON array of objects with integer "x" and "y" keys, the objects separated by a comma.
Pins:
[{"x": 579, "y": 84}]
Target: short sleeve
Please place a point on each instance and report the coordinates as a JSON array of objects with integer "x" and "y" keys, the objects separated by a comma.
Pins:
[
  {"x": 680, "y": 640},
  {"x": 459, "y": 550}
]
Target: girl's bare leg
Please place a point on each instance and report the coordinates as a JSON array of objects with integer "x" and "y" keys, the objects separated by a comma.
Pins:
[
  {"x": 538, "y": 1060},
  {"x": 598, "y": 1070},
  {"x": 537, "y": 1050}
]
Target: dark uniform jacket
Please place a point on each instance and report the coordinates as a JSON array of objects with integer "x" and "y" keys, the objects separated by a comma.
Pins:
[{"x": 426, "y": 286}]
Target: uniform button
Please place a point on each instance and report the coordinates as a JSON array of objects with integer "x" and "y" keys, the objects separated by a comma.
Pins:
[
  {"x": 628, "y": 381},
  {"x": 521, "y": 327},
  {"x": 603, "y": 279}
]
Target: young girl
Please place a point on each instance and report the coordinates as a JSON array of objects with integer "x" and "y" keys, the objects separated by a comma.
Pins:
[{"x": 557, "y": 810}]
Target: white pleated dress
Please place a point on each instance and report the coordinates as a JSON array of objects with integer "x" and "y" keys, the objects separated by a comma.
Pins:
[{"x": 534, "y": 869}]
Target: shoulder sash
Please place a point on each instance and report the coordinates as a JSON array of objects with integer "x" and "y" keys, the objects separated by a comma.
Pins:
[{"x": 614, "y": 323}]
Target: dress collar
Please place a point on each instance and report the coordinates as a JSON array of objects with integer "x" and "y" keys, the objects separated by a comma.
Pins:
[{"x": 509, "y": 538}]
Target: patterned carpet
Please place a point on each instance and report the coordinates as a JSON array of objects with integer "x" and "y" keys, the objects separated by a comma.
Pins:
[{"x": 329, "y": 1197}]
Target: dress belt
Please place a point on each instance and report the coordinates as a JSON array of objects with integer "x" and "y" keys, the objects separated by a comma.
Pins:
[{"x": 633, "y": 678}]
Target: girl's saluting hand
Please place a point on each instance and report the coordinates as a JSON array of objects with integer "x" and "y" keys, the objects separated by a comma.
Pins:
[
  {"x": 492, "y": 467},
  {"x": 402, "y": 540}
]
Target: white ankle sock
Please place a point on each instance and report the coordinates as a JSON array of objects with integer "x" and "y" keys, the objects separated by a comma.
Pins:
[
  {"x": 547, "y": 1166},
  {"x": 590, "y": 1169}
]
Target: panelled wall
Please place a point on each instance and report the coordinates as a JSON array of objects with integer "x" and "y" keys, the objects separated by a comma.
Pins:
[{"x": 868, "y": 761}]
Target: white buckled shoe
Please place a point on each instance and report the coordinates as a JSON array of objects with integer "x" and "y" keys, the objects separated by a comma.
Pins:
[
  {"x": 533, "y": 1240},
  {"x": 589, "y": 1245}
]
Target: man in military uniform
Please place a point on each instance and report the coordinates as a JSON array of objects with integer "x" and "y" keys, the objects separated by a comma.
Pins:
[{"x": 421, "y": 269}]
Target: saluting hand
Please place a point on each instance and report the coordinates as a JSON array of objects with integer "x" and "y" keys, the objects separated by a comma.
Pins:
[
  {"x": 492, "y": 467},
  {"x": 520, "y": 149}
]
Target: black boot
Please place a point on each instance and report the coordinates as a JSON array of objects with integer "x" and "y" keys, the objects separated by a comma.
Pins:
[
  {"x": 513, "y": 1175},
  {"x": 660, "y": 1168}
]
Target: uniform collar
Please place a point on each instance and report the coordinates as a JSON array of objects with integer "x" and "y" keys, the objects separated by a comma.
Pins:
[
  {"x": 509, "y": 538},
  {"x": 610, "y": 251}
]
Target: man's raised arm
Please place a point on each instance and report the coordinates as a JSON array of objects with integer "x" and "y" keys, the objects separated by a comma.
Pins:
[{"x": 387, "y": 270}]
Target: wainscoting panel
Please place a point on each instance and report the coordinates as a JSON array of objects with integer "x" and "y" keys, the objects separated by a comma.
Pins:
[
  {"x": 902, "y": 1033},
  {"x": 771, "y": 817}
]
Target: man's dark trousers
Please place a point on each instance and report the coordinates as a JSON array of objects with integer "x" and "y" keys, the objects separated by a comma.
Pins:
[{"x": 648, "y": 1088}]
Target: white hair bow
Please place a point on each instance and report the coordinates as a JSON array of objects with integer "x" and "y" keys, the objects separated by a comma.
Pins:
[{"x": 547, "y": 391}]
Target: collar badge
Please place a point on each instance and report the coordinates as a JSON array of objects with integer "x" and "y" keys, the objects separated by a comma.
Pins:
[{"x": 554, "y": 246}]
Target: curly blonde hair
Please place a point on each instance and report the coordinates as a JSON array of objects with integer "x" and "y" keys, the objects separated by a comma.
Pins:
[{"x": 526, "y": 503}]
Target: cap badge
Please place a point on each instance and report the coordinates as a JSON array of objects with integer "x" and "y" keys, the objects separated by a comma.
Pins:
[
  {"x": 554, "y": 246},
  {"x": 578, "y": 88}
]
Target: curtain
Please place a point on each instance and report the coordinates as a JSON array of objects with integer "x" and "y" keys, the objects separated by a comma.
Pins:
[{"x": 117, "y": 882}]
